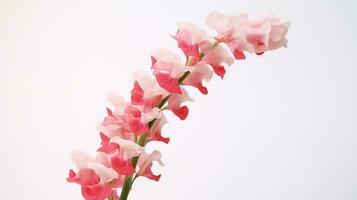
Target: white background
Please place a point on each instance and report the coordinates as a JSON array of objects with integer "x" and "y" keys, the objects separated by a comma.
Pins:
[{"x": 279, "y": 127}]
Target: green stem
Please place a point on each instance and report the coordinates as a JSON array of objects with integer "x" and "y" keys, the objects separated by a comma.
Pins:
[
  {"x": 183, "y": 77},
  {"x": 163, "y": 101},
  {"x": 126, "y": 187}
]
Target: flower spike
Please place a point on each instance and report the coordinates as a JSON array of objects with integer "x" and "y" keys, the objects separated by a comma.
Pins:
[{"x": 129, "y": 126}]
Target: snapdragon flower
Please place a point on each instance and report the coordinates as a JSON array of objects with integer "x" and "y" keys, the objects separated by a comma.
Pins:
[{"x": 129, "y": 125}]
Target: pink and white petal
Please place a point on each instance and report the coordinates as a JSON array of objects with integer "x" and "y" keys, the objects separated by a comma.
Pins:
[
  {"x": 117, "y": 101},
  {"x": 145, "y": 81},
  {"x": 147, "y": 172},
  {"x": 128, "y": 148},
  {"x": 277, "y": 32},
  {"x": 145, "y": 163},
  {"x": 167, "y": 82},
  {"x": 84, "y": 177},
  {"x": 119, "y": 182},
  {"x": 154, "y": 113},
  {"x": 259, "y": 37},
  {"x": 197, "y": 35},
  {"x": 149, "y": 85},
  {"x": 103, "y": 159},
  {"x": 185, "y": 43},
  {"x": 81, "y": 159},
  {"x": 165, "y": 55},
  {"x": 220, "y": 23},
  {"x": 176, "y": 100},
  {"x": 174, "y": 104},
  {"x": 104, "y": 173},
  {"x": 155, "y": 131},
  {"x": 199, "y": 73}
]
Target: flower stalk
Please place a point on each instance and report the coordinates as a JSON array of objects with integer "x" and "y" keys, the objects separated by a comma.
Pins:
[{"x": 129, "y": 126}]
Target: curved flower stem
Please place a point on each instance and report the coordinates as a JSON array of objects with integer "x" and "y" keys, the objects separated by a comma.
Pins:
[
  {"x": 126, "y": 187},
  {"x": 184, "y": 76},
  {"x": 142, "y": 140}
]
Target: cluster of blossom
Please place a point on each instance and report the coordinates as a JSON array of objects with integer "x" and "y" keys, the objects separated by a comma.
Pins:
[{"x": 129, "y": 126}]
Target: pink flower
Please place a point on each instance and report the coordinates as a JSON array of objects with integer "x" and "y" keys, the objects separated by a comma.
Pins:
[
  {"x": 94, "y": 175},
  {"x": 147, "y": 91},
  {"x": 218, "y": 59},
  {"x": 123, "y": 167},
  {"x": 155, "y": 131},
  {"x": 141, "y": 98},
  {"x": 174, "y": 104},
  {"x": 199, "y": 73},
  {"x": 89, "y": 181},
  {"x": 256, "y": 34},
  {"x": 191, "y": 39},
  {"x": 126, "y": 116},
  {"x": 167, "y": 70},
  {"x": 231, "y": 30},
  {"x": 120, "y": 152},
  {"x": 128, "y": 149},
  {"x": 145, "y": 163},
  {"x": 267, "y": 32},
  {"x": 111, "y": 128},
  {"x": 129, "y": 126}
]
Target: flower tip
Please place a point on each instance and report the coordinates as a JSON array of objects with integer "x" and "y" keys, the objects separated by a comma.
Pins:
[
  {"x": 182, "y": 112},
  {"x": 203, "y": 90},
  {"x": 153, "y": 61},
  {"x": 109, "y": 112},
  {"x": 156, "y": 178},
  {"x": 239, "y": 55},
  {"x": 259, "y": 53}
]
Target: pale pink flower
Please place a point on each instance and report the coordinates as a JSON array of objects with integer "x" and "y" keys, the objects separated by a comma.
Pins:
[
  {"x": 147, "y": 92},
  {"x": 126, "y": 116},
  {"x": 199, "y": 73},
  {"x": 155, "y": 131},
  {"x": 267, "y": 32},
  {"x": 100, "y": 165},
  {"x": 167, "y": 70},
  {"x": 129, "y": 126},
  {"x": 174, "y": 104},
  {"x": 110, "y": 128},
  {"x": 149, "y": 85},
  {"x": 218, "y": 59},
  {"x": 140, "y": 97},
  {"x": 192, "y": 40},
  {"x": 145, "y": 163},
  {"x": 120, "y": 162},
  {"x": 94, "y": 175},
  {"x": 122, "y": 166},
  {"x": 118, "y": 102},
  {"x": 231, "y": 30},
  {"x": 128, "y": 149},
  {"x": 256, "y": 34}
]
